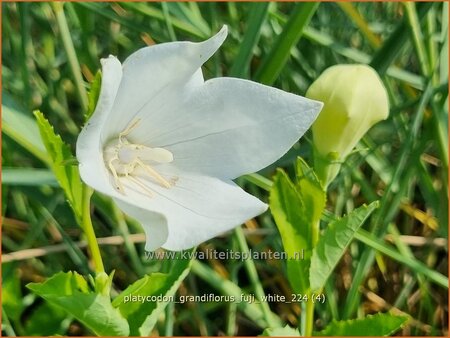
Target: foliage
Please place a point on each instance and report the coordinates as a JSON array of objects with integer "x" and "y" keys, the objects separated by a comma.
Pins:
[
  {"x": 143, "y": 316},
  {"x": 70, "y": 291},
  {"x": 332, "y": 245},
  {"x": 66, "y": 173},
  {"x": 295, "y": 208}
]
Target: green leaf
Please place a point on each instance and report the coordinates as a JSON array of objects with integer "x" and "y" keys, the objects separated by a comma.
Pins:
[
  {"x": 67, "y": 176},
  {"x": 380, "y": 324},
  {"x": 331, "y": 246},
  {"x": 70, "y": 292},
  {"x": 295, "y": 230},
  {"x": 297, "y": 208},
  {"x": 142, "y": 316},
  {"x": 286, "y": 331},
  {"x": 311, "y": 191},
  {"x": 93, "y": 95}
]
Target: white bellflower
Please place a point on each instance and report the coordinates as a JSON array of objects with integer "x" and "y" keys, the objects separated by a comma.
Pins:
[{"x": 166, "y": 145}]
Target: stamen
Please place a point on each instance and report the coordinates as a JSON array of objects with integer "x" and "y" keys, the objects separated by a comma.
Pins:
[
  {"x": 153, "y": 173},
  {"x": 119, "y": 185},
  {"x": 142, "y": 185},
  {"x": 123, "y": 159},
  {"x": 129, "y": 128}
]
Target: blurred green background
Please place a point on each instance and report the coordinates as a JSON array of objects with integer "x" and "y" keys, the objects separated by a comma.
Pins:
[{"x": 50, "y": 55}]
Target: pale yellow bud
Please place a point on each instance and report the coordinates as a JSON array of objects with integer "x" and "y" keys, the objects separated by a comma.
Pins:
[{"x": 354, "y": 100}]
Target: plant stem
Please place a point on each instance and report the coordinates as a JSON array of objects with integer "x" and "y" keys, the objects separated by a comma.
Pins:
[
  {"x": 89, "y": 230},
  {"x": 309, "y": 313}
]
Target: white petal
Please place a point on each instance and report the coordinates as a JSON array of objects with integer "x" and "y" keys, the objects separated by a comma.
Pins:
[
  {"x": 153, "y": 223},
  {"x": 89, "y": 146},
  {"x": 153, "y": 77},
  {"x": 197, "y": 208},
  {"x": 230, "y": 127}
]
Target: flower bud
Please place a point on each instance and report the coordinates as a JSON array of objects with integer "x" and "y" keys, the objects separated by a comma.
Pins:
[{"x": 354, "y": 100}]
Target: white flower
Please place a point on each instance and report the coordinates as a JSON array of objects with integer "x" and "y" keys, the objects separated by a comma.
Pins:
[{"x": 166, "y": 145}]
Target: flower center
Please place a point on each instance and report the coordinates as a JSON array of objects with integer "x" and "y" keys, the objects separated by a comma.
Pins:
[{"x": 135, "y": 161}]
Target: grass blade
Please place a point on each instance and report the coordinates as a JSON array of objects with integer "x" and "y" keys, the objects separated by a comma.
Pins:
[
  {"x": 71, "y": 53},
  {"x": 417, "y": 36},
  {"x": 256, "y": 20},
  {"x": 370, "y": 240},
  {"x": 279, "y": 54},
  {"x": 386, "y": 55}
]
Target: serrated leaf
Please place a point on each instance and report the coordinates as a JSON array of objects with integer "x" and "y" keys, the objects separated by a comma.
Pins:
[
  {"x": 332, "y": 245},
  {"x": 380, "y": 324},
  {"x": 290, "y": 217},
  {"x": 297, "y": 208},
  {"x": 67, "y": 176},
  {"x": 311, "y": 191},
  {"x": 71, "y": 292},
  {"x": 286, "y": 331},
  {"x": 61, "y": 284},
  {"x": 142, "y": 316},
  {"x": 93, "y": 95}
]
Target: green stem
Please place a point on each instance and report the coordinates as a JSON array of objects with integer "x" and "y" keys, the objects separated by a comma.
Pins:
[
  {"x": 89, "y": 231},
  {"x": 309, "y": 314},
  {"x": 71, "y": 54},
  {"x": 309, "y": 311},
  {"x": 326, "y": 167}
]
